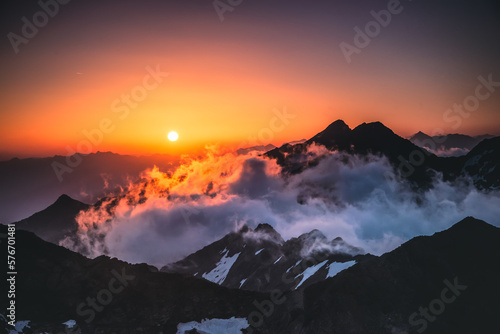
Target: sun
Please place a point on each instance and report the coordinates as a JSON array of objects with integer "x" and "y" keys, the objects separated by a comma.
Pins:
[{"x": 173, "y": 136}]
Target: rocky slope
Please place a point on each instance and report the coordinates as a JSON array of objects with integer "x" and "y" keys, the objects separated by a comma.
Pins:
[
  {"x": 444, "y": 283},
  {"x": 261, "y": 260}
]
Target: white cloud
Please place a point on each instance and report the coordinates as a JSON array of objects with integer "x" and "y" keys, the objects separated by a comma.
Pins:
[{"x": 346, "y": 196}]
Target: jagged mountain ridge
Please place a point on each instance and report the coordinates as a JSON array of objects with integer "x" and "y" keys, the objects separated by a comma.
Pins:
[
  {"x": 455, "y": 142},
  {"x": 376, "y": 138},
  {"x": 386, "y": 293},
  {"x": 261, "y": 260}
]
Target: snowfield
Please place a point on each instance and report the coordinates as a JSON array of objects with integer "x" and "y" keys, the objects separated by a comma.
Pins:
[
  {"x": 336, "y": 267},
  {"x": 219, "y": 273},
  {"x": 309, "y": 272}
]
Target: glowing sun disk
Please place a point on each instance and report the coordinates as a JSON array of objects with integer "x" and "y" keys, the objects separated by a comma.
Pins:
[{"x": 173, "y": 136}]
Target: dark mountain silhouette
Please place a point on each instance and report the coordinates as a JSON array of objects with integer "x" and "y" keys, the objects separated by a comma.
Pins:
[
  {"x": 412, "y": 162},
  {"x": 55, "y": 285},
  {"x": 30, "y": 185},
  {"x": 482, "y": 164},
  {"x": 55, "y": 222},
  {"x": 367, "y": 138},
  {"x": 385, "y": 294},
  {"x": 452, "y": 274}
]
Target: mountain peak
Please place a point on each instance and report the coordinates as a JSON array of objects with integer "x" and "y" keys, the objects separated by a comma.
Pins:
[
  {"x": 244, "y": 229},
  {"x": 270, "y": 232},
  {"x": 470, "y": 225},
  {"x": 339, "y": 126},
  {"x": 64, "y": 199},
  {"x": 265, "y": 228},
  {"x": 336, "y": 133},
  {"x": 339, "y": 123},
  {"x": 313, "y": 235},
  {"x": 372, "y": 127},
  {"x": 420, "y": 136}
]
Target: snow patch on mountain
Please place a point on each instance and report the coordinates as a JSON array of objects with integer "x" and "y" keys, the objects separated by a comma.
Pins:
[
  {"x": 336, "y": 267},
  {"x": 19, "y": 327},
  {"x": 219, "y": 273},
  {"x": 295, "y": 265},
  {"x": 215, "y": 326},
  {"x": 278, "y": 259},
  {"x": 70, "y": 323},
  {"x": 258, "y": 252},
  {"x": 243, "y": 282},
  {"x": 309, "y": 272}
]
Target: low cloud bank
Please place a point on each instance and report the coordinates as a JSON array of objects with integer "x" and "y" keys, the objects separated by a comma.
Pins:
[{"x": 165, "y": 217}]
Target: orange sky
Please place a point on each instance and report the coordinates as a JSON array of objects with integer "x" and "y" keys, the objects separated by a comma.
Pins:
[{"x": 225, "y": 80}]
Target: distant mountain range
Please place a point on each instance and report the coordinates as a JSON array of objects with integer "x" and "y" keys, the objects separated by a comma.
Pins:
[
  {"x": 480, "y": 164},
  {"x": 448, "y": 145},
  {"x": 259, "y": 148},
  {"x": 29, "y": 185},
  {"x": 445, "y": 283}
]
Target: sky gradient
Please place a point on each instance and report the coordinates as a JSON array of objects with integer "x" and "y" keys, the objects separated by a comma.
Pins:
[{"x": 228, "y": 80}]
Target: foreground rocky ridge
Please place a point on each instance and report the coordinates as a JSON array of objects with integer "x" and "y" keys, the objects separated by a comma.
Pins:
[{"x": 380, "y": 295}]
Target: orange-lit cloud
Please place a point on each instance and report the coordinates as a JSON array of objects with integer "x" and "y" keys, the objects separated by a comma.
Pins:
[{"x": 166, "y": 216}]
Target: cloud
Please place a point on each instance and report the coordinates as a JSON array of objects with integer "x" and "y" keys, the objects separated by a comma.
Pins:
[
  {"x": 450, "y": 152},
  {"x": 166, "y": 216}
]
